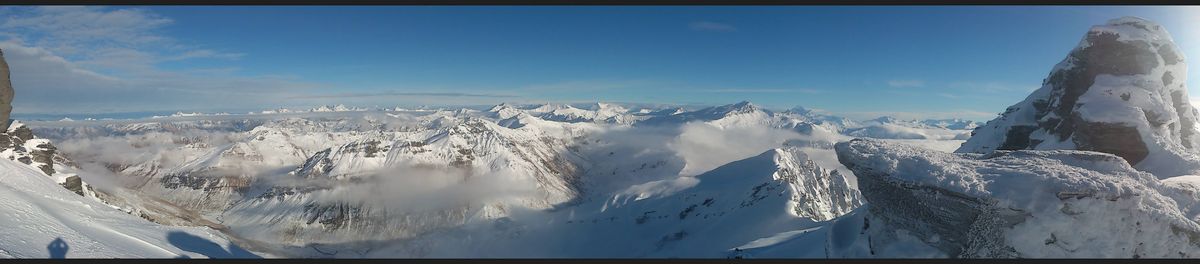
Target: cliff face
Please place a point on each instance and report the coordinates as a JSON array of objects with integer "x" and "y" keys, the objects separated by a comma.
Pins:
[
  {"x": 1120, "y": 91},
  {"x": 6, "y": 93}
]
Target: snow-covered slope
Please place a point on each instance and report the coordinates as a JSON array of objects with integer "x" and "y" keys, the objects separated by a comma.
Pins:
[
  {"x": 752, "y": 203},
  {"x": 43, "y": 220},
  {"x": 1122, "y": 90},
  {"x": 338, "y": 180},
  {"x": 1028, "y": 204}
]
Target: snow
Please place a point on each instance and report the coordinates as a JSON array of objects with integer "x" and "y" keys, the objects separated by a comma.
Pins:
[
  {"x": 706, "y": 216},
  {"x": 39, "y": 212},
  {"x": 1067, "y": 198}
]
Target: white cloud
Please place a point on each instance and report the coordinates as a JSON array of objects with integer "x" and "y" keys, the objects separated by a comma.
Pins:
[
  {"x": 906, "y": 83},
  {"x": 704, "y": 147},
  {"x": 98, "y": 59},
  {"x": 711, "y": 26}
]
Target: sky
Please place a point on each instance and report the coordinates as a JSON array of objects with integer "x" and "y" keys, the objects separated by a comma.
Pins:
[{"x": 858, "y": 61}]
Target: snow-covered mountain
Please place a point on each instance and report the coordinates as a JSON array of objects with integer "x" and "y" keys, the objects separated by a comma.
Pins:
[
  {"x": 1065, "y": 173},
  {"x": 456, "y": 152},
  {"x": 296, "y": 179},
  {"x": 292, "y": 179},
  {"x": 744, "y": 204},
  {"x": 892, "y": 128},
  {"x": 1122, "y": 90},
  {"x": 1096, "y": 163}
]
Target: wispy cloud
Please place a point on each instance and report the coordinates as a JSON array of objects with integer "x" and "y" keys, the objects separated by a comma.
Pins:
[
  {"x": 951, "y": 96},
  {"x": 735, "y": 90},
  {"x": 962, "y": 113},
  {"x": 578, "y": 86},
  {"x": 438, "y": 94},
  {"x": 711, "y": 26},
  {"x": 994, "y": 87},
  {"x": 906, "y": 83},
  {"x": 108, "y": 59}
]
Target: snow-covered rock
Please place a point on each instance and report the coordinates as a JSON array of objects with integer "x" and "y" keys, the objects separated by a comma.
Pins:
[
  {"x": 1027, "y": 204},
  {"x": 1122, "y": 90},
  {"x": 19, "y": 144}
]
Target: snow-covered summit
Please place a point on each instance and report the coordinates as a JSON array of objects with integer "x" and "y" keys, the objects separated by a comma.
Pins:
[
  {"x": 741, "y": 113},
  {"x": 336, "y": 108},
  {"x": 1122, "y": 90}
]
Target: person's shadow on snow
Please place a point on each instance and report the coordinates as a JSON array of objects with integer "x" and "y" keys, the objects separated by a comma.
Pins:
[
  {"x": 58, "y": 248},
  {"x": 192, "y": 243}
]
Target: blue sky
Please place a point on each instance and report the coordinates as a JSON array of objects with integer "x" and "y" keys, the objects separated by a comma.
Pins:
[{"x": 916, "y": 61}]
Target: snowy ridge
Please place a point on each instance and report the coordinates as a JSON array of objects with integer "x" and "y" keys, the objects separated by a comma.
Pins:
[{"x": 974, "y": 205}]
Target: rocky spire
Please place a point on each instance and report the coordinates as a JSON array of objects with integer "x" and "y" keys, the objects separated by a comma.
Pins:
[
  {"x": 1120, "y": 91},
  {"x": 6, "y": 94}
]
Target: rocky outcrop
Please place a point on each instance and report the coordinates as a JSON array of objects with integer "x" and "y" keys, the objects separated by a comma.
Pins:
[
  {"x": 18, "y": 143},
  {"x": 6, "y": 93},
  {"x": 1027, "y": 204},
  {"x": 1121, "y": 91},
  {"x": 816, "y": 193}
]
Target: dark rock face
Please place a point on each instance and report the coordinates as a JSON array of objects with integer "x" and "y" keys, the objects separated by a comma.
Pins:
[
  {"x": 334, "y": 216},
  {"x": 1121, "y": 91},
  {"x": 205, "y": 180},
  {"x": 956, "y": 221},
  {"x": 1109, "y": 56},
  {"x": 6, "y": 93},
  {"x": 75, "y": 184},
  {"x": 957, "y": 224},
  {"x": 1123, "y": 141},
  {"x": 318, "y": 165}
]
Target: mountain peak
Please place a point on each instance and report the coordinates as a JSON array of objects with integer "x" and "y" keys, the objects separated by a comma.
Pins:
[
  {"x": 800, "y": 110},
  {"x": 739, "y": 107},
  {"x": 1121, "y": 91}
]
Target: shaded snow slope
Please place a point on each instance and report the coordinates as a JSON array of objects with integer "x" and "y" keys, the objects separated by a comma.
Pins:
[
  {"x": 42, "y": 219},
  {"x": 752, "y": 203}
]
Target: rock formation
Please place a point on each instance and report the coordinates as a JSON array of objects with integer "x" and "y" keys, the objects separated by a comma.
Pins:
[
  {"x": 1120, "y": 91},
  {"x": 1021, "y": 204},
  {"x": 6, "y": 93}
]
